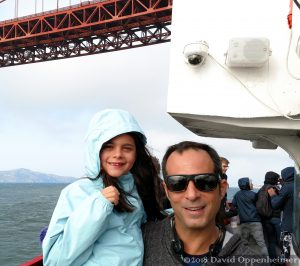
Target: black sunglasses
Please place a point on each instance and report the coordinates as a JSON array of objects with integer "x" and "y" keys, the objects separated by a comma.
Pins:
[{"x": 203, "y": 182}]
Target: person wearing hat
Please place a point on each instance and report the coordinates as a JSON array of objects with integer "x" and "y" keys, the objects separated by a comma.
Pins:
[
  {"x": 283, "y": 200},
  {"x": 270, "y": 223},
  {"x": 250, "y": 222}
]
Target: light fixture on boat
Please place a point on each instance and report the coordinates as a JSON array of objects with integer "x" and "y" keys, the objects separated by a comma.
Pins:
[
  {"x": 248, "y": 52},
  {"x": 195, "y": 53},
  {"x": 263, "y": 144}
]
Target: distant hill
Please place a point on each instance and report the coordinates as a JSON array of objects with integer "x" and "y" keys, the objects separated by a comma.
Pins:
[{"x": 27, "y": 176}]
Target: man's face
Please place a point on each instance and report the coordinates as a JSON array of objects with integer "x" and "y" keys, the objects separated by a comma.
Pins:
[
  {"x": 225, "y": 167},
  {"x": 193, "y": 209}
]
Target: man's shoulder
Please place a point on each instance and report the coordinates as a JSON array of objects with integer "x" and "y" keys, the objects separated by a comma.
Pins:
[
  {"x": 157, "y": 243},
  {"x": 152, "y": 228},
  {"x": 235, "y": 245},
  {"x": 237, "y": 252}
]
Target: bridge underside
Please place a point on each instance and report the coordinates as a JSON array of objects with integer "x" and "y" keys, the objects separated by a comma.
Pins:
[{"x": 88, "y": 28}]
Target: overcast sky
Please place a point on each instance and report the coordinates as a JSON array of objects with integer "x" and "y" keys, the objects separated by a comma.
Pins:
[{"x": 45, "y": 109}]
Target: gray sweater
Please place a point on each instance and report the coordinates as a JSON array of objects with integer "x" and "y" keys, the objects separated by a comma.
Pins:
[{"x": 158, "y": 251}]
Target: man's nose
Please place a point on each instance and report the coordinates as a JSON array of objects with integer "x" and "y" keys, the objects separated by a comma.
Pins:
[{"x": 191, "y": 192}]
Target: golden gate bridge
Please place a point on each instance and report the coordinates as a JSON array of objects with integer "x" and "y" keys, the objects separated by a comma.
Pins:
[{"x": 86, "y": 28}]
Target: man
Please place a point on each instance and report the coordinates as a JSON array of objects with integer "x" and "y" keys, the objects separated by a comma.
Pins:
[
  {"x": 225, "y": 212},
  {"x": 283, "y": 200},
  {"x": 250, "y": 222},
  {"x": 194, "y": 188},
  {"x": 225, "y": 166},
  {"x": 270, "y": 218}
]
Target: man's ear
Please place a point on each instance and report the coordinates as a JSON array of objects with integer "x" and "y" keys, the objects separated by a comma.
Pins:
[
  {"x": 223, "y": 187},
  {"x": 166, "y": 190}
]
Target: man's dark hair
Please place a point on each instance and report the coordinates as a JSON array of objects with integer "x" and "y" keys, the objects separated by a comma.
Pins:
[{"x": 186, "y": 145}]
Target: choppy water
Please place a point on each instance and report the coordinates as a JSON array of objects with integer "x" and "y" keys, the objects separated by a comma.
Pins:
[{"x": 24, "y": 210}]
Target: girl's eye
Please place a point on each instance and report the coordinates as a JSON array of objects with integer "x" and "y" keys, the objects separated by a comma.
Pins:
[
  {"x": 128, "y": 148},
  {"x": 107, "y": 146}
]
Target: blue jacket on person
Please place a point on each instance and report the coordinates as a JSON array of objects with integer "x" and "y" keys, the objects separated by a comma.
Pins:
[
  {"x": 284, "y": 199},
  {"x": 244, "y": 200},
  {"x": 84, "y": 228}
]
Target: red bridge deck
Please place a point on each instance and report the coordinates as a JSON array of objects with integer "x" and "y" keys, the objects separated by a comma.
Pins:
[{"x": 88, "y": 28}]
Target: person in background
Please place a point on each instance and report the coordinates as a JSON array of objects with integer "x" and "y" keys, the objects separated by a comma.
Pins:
[
  {"x": 97, "y": 219},
  {"x": 250, "y": 221},
  {"x": 225, "y": 213},
  {"x": 283, "y": 200},
  {"x": 271, "y": 223},
  {"x": 190, "y": 236},
  {"x": 225, "y": 166}
]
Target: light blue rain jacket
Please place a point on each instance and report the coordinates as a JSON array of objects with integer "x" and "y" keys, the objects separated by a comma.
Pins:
[{"x": 84, "y": 228}]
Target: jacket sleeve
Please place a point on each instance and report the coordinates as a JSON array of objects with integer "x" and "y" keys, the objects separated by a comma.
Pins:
[
  {"x": 278, "y": 200},
  {"x": 78, "y": 221},
  {"x": 233, "y": 203}
]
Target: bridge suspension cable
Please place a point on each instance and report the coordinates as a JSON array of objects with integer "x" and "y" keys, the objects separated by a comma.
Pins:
[
  {"x": 16, "y": 8},
  {"x": 35, "y": 6}
]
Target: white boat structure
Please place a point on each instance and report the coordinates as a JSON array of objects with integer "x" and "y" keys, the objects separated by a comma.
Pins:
[{"x": 235, "y": 73}]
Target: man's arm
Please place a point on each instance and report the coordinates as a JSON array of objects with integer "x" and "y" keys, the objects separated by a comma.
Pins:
[{"x": 277, "y": 200}]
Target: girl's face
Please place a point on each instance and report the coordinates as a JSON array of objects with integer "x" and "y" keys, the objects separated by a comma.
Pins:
[{"x": 118, "y": 155}]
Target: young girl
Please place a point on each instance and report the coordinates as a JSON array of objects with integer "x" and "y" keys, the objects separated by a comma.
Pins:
[{"x": 97, "y": 219}]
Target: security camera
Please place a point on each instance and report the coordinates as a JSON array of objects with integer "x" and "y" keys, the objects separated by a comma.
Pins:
[{"x": 195, "y": 53}]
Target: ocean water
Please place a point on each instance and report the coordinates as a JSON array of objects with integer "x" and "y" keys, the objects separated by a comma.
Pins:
[{"x": 25, "y": 209}]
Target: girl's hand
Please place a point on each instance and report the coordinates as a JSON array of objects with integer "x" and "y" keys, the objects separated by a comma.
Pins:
[{"x": 111, "y": 194}]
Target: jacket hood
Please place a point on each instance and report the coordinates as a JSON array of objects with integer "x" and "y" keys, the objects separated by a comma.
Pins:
[
  {"x": 288, "y": 174},
  {"x": 271, "y": 178},
  {"x": 244, "y": 183},
  {"x": 104, "y": 126}
]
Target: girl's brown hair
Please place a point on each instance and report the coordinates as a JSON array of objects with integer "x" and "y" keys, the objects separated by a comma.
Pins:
[{"x": 146, "y": 177}]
